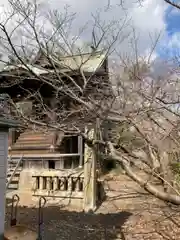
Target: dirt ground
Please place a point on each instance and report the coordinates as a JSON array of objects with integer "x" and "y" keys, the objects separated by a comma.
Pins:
[{"x": 128, "y": 214}]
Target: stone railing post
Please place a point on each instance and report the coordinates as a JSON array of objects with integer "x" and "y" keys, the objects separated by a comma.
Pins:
[
  {"x": 34, "y": 184},
  {"x": 41, "y": 183},
  {"x": 70, "y": 184},
  {"x": 90, "y": 181},
  {"x": 48, "y": 183},
  {"x": 56, "y": 182}
]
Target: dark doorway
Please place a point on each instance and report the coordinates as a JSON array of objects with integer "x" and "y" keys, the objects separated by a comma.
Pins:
[
  {"x": 51, "y": 164},
  {"x": 71, "y": 146}
]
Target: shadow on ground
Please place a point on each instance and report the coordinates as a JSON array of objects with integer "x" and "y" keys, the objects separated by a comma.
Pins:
[{"x": 63, "y": 224}]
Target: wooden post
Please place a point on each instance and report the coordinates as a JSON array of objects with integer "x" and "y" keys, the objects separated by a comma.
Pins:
[
  {"x": 80, "y": 150},
  {"x": 5, "y": 125}
]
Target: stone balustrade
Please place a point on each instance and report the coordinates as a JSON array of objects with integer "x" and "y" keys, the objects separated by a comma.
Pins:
[{"x": 58, "y": 186}]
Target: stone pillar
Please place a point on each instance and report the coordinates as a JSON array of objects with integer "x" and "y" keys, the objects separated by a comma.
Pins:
[
  {"x": 41, "y": 183},
  {"x": 34, "y": 183},
  {"x": 69, "y": 184},
  {"x": 80, "y": 184},
  {"x": 55, "y": 186},
  {"x": 62, "y": 183},
  {"x": 89, "y": 177},
  {"x": 75, "y": 183},
  {"x": 48, "y": 183}
]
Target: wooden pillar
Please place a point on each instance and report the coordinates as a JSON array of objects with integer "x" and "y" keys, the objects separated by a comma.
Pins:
[
  {"x": 53, "y": 118},
  {"x": 10, "y": 140},
  {"x": 80, "y": 150},
  {"x": 90, "y": 196}
]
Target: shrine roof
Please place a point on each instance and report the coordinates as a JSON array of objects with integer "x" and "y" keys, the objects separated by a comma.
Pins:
[
  {"x": 87, "y": 62},
  {"x": 8, "y": 123}
]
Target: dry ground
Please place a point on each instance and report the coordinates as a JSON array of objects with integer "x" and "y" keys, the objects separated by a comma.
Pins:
[{"x": 128, "y": 214}]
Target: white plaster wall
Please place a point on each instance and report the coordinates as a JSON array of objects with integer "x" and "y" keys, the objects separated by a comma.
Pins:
[{"x": 3, "y": 170}]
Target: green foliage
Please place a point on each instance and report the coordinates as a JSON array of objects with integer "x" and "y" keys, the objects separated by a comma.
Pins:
[{"x": 176, "y": 168}]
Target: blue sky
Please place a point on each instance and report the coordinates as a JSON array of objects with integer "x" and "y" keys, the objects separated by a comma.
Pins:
[
  {"x": 169, "y": 45},
  {"x": 172, "y": 19}
]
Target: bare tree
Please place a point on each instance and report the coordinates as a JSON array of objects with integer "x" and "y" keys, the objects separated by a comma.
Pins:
[
  {"x": 50, "y": 42},
  {"x": 173, "y": 3},
  {"x": 67, "y": 95}
]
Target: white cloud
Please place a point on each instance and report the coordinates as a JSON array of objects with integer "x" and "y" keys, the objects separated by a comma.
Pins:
[
  {"x": 148, "y": 19},
  {"x": 174, "y": 41}
]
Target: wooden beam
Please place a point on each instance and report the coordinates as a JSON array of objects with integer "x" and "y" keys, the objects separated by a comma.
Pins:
[{"x": 41, "y": 156}]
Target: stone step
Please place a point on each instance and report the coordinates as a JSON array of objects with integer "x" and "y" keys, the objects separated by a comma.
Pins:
[
  {"x": 13, "y": 186},
  {"x": 13, "y": 166},
  {"x": 12, "y": 163},
  {"x": 11, "y": 169},
  {"x": 15, "y": 175},
  {"x": 14, "y": 181}
]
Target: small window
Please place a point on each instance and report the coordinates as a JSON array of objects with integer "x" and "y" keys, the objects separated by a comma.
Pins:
[{"x": 51, "y": 164}]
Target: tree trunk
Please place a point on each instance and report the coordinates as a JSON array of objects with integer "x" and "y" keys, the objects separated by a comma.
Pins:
[
  {"x": 172, "y": 198},
  {"x": 166, "y": 172}
]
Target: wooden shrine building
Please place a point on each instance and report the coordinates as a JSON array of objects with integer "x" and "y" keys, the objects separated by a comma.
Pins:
[{"x": 43, "y": 161}]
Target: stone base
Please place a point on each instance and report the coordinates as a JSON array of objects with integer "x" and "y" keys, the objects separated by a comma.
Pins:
[{"x": 27, "y": 199}]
